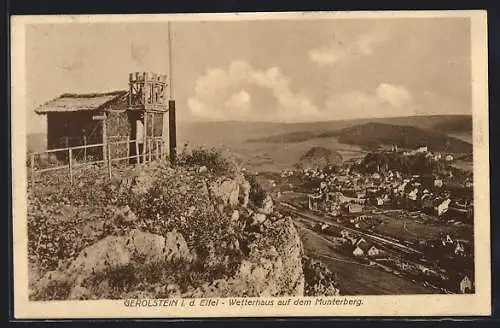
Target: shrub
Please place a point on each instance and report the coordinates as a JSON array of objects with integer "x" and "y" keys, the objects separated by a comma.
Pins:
[
  {"x": 212, "y": 158},
  {"x": 257, "y": 194}
]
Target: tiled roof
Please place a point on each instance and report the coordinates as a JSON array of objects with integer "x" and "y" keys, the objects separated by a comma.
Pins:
[{"x": 79, "y": 102}]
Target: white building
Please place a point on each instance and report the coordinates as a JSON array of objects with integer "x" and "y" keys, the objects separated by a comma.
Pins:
[
  {"x": 438, "y": 183},
  {"x": 442, "y": 207},
  {"x": 465, "y": 285}
]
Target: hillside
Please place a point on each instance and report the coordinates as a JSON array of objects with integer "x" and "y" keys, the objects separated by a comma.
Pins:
[
  {"x": 298, "y": 132},
  {"x": 158, "y": 232},
  {"x": 456, "y": 125},
  {"x": 318, "y": 158},
  {"x": 375, "y": 134}
]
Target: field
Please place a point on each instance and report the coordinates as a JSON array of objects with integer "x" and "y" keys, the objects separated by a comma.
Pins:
[
  {"x": 465, "y": 136},
  {"x": 464, "y": 165},
  {"x": 409, "y": 229},
  {"x": 356, "y": 278}
]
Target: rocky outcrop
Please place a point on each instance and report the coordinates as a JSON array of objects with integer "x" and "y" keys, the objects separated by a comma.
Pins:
[
  {"x": 225, "y": 191},
  {"x": 320, "y": 281},
  {"x": 231, "y": 192},
  {"x": 267, "y": 206},
  {"x": 244, "y": 196},
  {"x": 116, "y": 252},
  {"x": 171, "y": 232},
  {"x": 272, "y": 268}
]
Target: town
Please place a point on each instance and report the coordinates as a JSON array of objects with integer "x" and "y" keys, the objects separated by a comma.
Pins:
[{"x": 413, "y": 220}]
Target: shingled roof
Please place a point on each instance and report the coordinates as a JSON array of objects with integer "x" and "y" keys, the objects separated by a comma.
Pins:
[{"x": 70, "y": 102}]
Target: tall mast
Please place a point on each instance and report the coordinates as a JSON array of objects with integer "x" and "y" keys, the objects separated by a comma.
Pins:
[
  {"x": 170, "y": 62},
  {"x": 171, "y": 105}
]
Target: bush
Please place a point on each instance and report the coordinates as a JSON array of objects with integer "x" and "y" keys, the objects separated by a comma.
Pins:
[
  {"x": 257, "y": 194},
  {"x": 212, "y": 159}
]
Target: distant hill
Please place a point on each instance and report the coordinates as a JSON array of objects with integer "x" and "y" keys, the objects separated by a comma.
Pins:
[
  {"x": 319, "y": 157},
  {"x": 298, "y": 132},
  {"x": 374, "y": 134},
  {"x": 455, "y": 125}
]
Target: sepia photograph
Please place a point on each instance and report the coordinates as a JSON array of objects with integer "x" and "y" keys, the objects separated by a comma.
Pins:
[{"x": 251, "y": 164}]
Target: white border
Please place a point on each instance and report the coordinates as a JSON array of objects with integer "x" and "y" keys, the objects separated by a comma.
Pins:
[{"x": 410, "y": 305}]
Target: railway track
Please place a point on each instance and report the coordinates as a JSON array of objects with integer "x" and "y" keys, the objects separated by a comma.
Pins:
[{"x": 377, "y": 239}]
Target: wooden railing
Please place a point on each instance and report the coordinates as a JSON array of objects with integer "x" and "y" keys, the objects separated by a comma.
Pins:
[{"x": 153, "y": 149}]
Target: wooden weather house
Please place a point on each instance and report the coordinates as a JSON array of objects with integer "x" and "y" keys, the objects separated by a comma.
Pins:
[{"x": 147, "y": 105}]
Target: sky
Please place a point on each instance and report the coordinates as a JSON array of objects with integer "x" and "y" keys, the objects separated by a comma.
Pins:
[{"x": 263, "y": 70}]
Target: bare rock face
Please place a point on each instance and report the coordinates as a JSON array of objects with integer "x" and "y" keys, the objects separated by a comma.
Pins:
[
  {"x": 142, "y": 183},
  {"x": 124, "y": 216},
  {"x": 276, "y": 269},
  {"x": 267, "y": 206},
  {"x": 225, "y": 191},
  {"x": 320, "y": 281},
  {"x": 202, "y": 169},
  {"x": 273, "y": 268},
  {"x": 245, "y": 187},
  {"x": 256, "y": 220},
  {"x": 113, "y": 252}
]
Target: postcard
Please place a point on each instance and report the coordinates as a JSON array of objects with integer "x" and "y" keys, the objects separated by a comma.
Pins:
[{"x": 323, "y": 164}]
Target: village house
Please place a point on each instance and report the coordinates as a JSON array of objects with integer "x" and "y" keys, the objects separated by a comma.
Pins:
[
  {"x": 459, "y": 249},
  {"x": 344, "y": 233},
  {"x": 412, "y": 195},
  {"x": 361, "y": 248},
  {"x": 354, "y": 208},
  {"x": 442, "y": 206},
  {"x": 465, "y": 285},
  {"x": 422, "y": 149},
  {"x": 373, "y": 251},
  {"x": 446, "y": 239},
  {"x": 314, "y": 201},
  {"x": 427, "y": 202},
  {"x": 358, "y": 251},
  {"x": 438, "y": 183},
  {"x": 360, "y": 241}
]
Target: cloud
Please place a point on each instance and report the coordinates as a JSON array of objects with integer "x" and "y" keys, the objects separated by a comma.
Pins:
[
  {"x": 231, "y": 94},
  {"x": 386, "y": 101},
  {"x": 224, "y": 95},
  {"x": 342, "y": 50},
  {"x": 395, "y": 95}
]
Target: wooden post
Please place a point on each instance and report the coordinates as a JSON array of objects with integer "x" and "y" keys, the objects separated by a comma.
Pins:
[
  {"x": 172, "y": 131},
  {"x": 153, "y": 125},
  {"x": 32, "y": 168},
  {"x": 85, "y": 149},
  {"x": 104, "y": 140},
  {"x": 161, "y": 148},
  {"x": 70, "y": 164},
  {"x": 108, "y": 146},
  {"x": 137, "y": 155},
  {"x": 144, "y": 145},
  {"x": 150, "y": 149},
  {"x": 157, "y": 150},
  {"x": 128, "y": 150}
]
